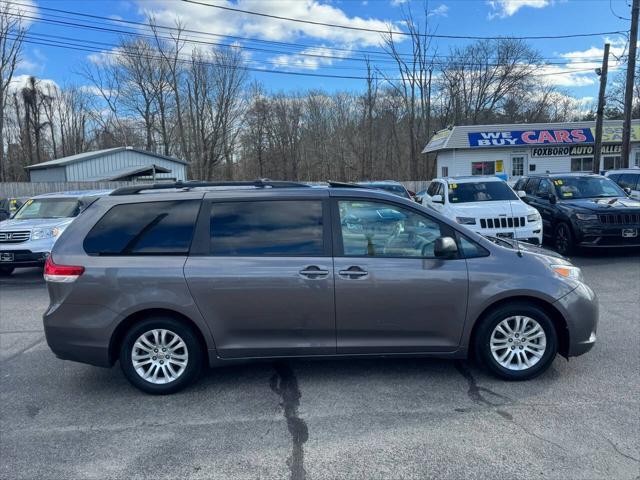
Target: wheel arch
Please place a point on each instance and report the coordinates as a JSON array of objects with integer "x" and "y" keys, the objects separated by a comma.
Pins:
[
  {"x": 554, "y": 314},
  {"x": 132, "y": 319}
]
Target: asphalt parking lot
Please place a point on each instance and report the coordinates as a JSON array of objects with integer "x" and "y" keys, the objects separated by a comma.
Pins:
[{"x": 412, "y": 418}]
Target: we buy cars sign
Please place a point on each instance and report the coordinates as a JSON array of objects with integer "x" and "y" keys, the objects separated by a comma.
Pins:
[{"x": 530, "y": 137}]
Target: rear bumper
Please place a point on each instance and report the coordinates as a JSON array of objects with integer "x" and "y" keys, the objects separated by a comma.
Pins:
[
  {"x": 80, "y": 332},
  {"x": 581, "y": 311}
]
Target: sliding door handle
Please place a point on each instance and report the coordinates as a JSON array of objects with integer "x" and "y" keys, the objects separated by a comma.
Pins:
[
  {"x": 353, "y": 273},
  {"x": 314, "y": 271}
]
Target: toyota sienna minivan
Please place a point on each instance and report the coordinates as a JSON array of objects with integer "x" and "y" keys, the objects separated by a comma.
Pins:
[{"x": 168, "y": 279}]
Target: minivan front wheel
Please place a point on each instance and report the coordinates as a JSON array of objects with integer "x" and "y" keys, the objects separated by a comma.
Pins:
[
  {"x": 517, "y": 342},
  {"x": 161, "y": 355}
]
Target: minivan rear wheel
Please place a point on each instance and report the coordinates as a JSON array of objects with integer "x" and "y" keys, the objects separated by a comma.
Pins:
[
  {"x": 517, "y": 341},
  {"x": 161, "y": 355}
]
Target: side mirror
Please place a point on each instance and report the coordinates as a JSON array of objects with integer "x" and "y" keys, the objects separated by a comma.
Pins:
[
  {"x": 627, "y": 190},
  {"x": 437, "y": 199},
  {"x": 521, "y": 193},
  {"x": 445, "y": 247},
  {"x": 552, "y": 199}
]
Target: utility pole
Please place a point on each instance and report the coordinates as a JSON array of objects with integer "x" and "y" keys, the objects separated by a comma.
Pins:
[
  {"x": 600, "y": 113},
  {"x": 628, "y": 88}
]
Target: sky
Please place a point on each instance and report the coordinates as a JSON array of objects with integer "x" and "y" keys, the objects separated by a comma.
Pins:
[{"x": 329, "y": 50}]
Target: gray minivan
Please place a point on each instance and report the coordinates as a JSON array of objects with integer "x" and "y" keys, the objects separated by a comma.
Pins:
[{"x": 170, "y": 278}]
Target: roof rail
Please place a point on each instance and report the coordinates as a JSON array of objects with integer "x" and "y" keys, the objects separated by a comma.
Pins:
[{"x": 188, "y": 185}]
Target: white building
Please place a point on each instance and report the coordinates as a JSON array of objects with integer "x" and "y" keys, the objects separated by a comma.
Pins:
[{"x": 519, "y": 149}]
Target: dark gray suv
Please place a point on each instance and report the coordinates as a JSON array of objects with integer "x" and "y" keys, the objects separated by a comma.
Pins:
[{"x": 170, "y": 278}]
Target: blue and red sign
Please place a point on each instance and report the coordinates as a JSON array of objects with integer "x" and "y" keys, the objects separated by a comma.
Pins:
[{"x": 560, "y": 136}]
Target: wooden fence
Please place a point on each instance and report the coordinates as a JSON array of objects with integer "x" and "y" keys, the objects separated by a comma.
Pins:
[{"x": 28, "y": 189}]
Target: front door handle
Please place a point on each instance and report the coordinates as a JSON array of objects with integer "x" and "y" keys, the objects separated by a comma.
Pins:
[
  {"x": 353, "y": 273},
  {"x": 313, "y": 271}
]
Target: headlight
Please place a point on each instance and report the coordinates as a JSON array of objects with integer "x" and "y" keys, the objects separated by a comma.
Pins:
[
  {"x": 534, "y": 217},
  {"x": 466, "y": 220},
  {"x": 40, "y": 233},
  {"x": 568, "y": 271},
  {"x": 585, "y": 217}
]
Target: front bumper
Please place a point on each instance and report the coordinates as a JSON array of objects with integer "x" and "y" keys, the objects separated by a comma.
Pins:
[
  {"x": 22, "y": 258},
  {"x": 32, "y": 253},
  {"x": 581, "y": 311},
  {"x": 597, "y": 235},
  {"x": 532, "y": 233}
]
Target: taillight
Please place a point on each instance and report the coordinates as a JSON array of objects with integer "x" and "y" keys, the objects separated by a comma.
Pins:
[{"x": 61, "y": 273}]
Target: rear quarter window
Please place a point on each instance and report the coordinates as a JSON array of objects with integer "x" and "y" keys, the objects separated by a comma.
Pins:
[{"x": 150, "y": 228}]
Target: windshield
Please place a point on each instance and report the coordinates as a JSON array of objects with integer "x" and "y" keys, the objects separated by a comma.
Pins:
[
  {"x": 586, "y": 187},
  {"x": 48, "y": 208},
  {"x": 480, "y": 192}
]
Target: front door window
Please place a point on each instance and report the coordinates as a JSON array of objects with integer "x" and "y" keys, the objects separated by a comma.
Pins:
[{"x": 371, "y": 229}]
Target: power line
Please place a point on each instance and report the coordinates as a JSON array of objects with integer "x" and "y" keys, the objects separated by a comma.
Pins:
[
  {"x": 74, "y": 46},
  {"x": 399, "y": 32},
  {"x": 199, "y": 41},
  {"x": 271, "y": 51},
  {"x": 284, "y": 63}
]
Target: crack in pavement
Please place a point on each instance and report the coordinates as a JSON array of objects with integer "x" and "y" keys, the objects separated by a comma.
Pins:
[
  {"x": 21, "y": 351},
  {"x": 475, "y": 393},
  {"x": 284, "y": 383},
  {"x": 620, "y": 452}
]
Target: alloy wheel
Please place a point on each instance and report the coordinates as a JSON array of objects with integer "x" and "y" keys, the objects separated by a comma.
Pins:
[
  {"x": 562, "y": 239},
  {"x": 518, "y": 342},
  {"x": 159, "y": 356}
]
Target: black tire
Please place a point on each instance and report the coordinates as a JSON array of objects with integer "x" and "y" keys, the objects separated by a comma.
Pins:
[
  {"x": 196, "y": 357},
  {"x": 6, "y": 271},
  {"x": 488, "y": 324},
  {"x": 563, "y": 240}
]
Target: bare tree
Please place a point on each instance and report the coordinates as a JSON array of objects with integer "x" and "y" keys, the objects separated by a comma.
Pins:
[
  {"x": 481, "y": 76},
  {"x": 12, "y": 31},
  {"x": 414, "y": 86}
]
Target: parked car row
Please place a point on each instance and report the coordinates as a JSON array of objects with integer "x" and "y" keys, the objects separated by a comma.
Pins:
[{"x": 569, "y": 210}]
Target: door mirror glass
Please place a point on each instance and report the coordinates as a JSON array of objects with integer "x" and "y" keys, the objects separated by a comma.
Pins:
[
  {"x": 445, "y": 247},
  {"x": 437, "y": 199},
  {"x": 627, "y": 190},
  {"x": 521, "y": 193}
]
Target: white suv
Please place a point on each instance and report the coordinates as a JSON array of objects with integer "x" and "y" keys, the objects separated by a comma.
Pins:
[{"x": 486, "y": 205}]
